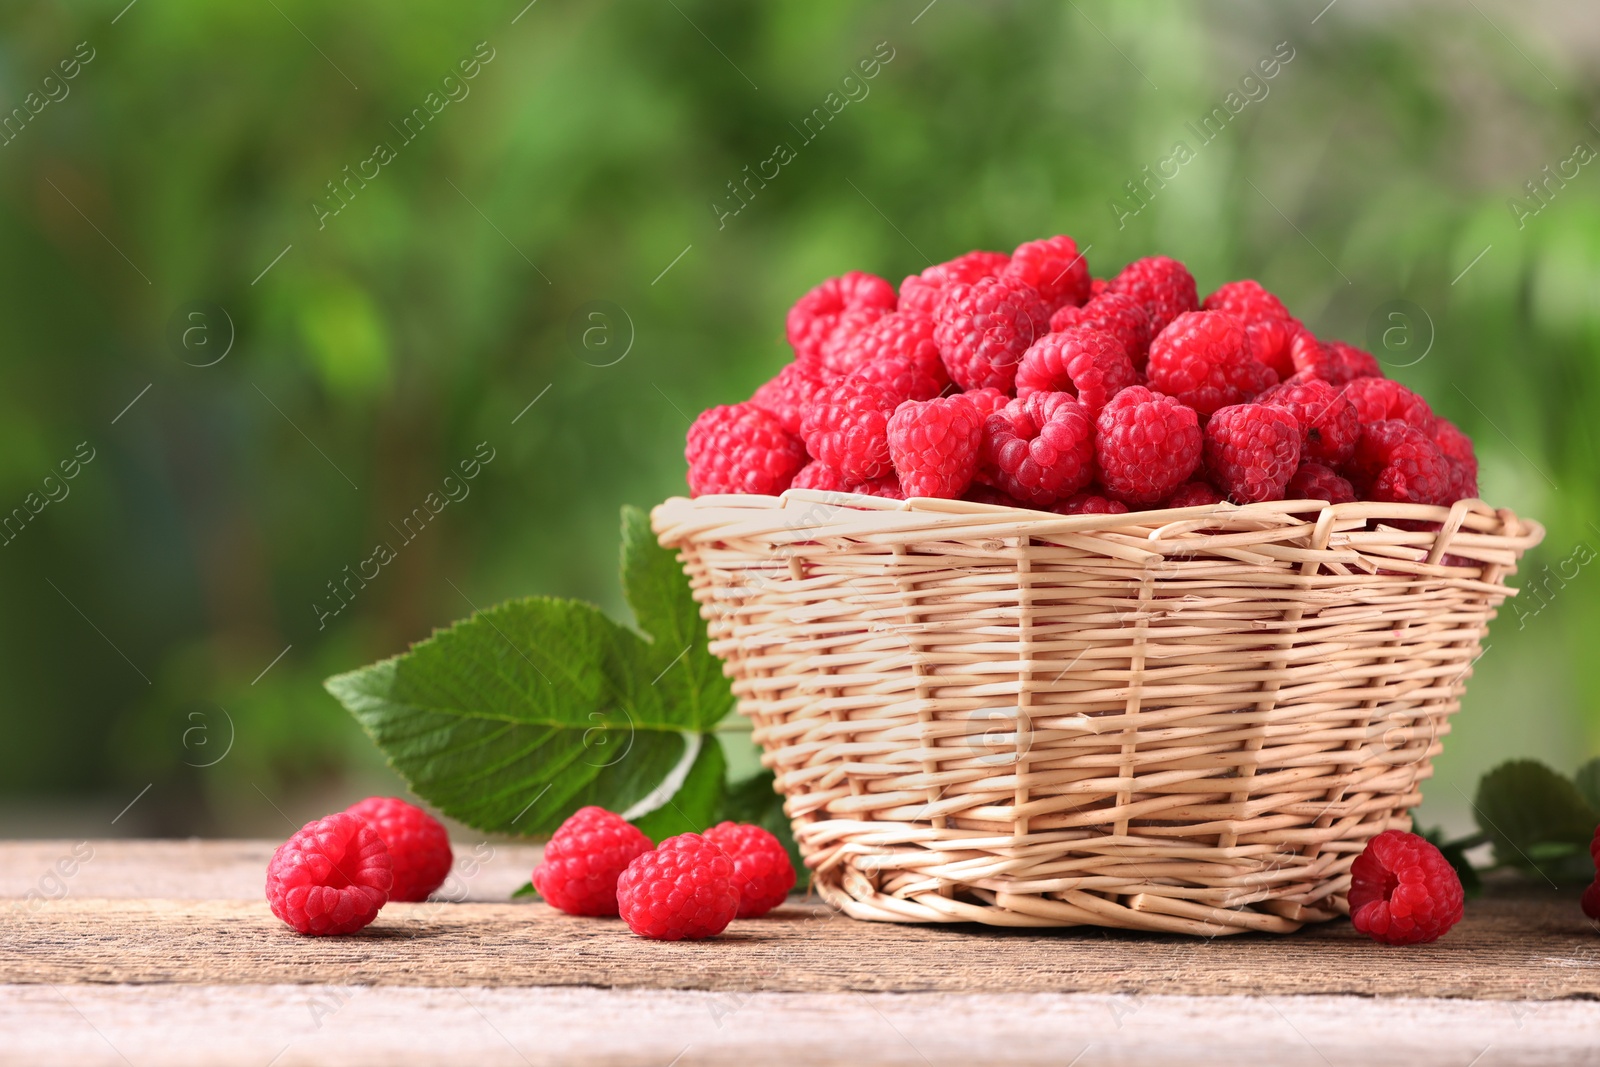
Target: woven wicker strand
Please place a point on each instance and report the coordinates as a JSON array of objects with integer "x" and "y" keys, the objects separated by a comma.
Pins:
[{"x": 1188, "y": 720}]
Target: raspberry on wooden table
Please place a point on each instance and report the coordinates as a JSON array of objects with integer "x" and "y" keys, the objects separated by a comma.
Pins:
[
  {"x": 847, "y": 427},
  {"x": 331, "y": 877},
  {"x": 1121, "y": 316},
  {"x": 418, "y": 845},
  {"x": 738, "y": 448},
  {"x": 1162, "y": 284},
  {"x": 762, "y": 870},
  {"x": 1252, "y": 450},
  {"x": 1053, "y": 268},
  {"x": 825, "y": 318},
  {"x": 1403, "y": 891},
  {"x": 1090, "y": 364},
  {"x": 935, "y": 444},
  {"x": 1039, "y": 448},
  {"x": 1146, "y": 445},
  {"x": 683, "y": 889},
  {"x": 1203, "y": 359},
  {"x": 924, "y": 292},
  {"x": 984, "y": 328},
  {"x": 583, "y": 860}
]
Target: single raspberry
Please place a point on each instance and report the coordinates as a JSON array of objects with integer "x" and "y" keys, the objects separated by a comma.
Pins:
[
  {"x": 787, "y": 396},
  {"x": 684, "y": 888},
  {"x": 1090, "y": 364},
  {"x": 898, "y": 352},
  {"x": 1457, "y": 449},
  {"x": 1053, "y": 268},
  {"x": 1040, "y": 448},
  {"x": 989, "y": 401},
  {"x": 1272, "y": 343},
  {"x": 1164, "y": 286},
  {"x": 1203, "y": 359},
  {"x": 1328, "y": 423},
  {"x": 1193, "y": 495},
  {"x": 1252, "y": 450},
  {"x": 1121, "y": 316},
  {"x": 761, "y": 867},
  {"x": 935, "y": 444},
  {"x": 418, "y": 844},
  {"x": 1247, "y": 301},
  {"x": 1397, "y": 462},
  {"x": 1331, "y": 361},
  {"x": 1314, "y": 481},
  {"x": 1376, "y": 399},
  {"x": 984, "y": 328},
  {"x": 1403, "y": 891},
  {"x": 738, "y": 448},
  {"x": 581, "y": 864},
  {"x": 1146, "y": 445},
  {"x": 840, "y": 305},
  {"x": 1087, "y": 503},
  {"x": 847, "y": 427},
  {"x": 924, "y": 292},
  {"x": 331, "y": 877}
]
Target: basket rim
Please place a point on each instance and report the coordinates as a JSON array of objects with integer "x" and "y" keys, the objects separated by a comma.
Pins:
[{"x": 679, "y": 519}]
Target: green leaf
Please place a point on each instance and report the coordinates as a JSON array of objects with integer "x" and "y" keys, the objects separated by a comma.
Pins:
[
  {"x": 524, "y": 890},
  {"x": 515, "y": 717},
  {"x": 693, "y": 807},
  {"x": 1533, "y": 815},
  {"x": 1587, "y": 779}
]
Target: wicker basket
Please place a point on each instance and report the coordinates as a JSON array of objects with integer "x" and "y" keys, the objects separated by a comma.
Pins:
[{"x": 1188, "y": 720}]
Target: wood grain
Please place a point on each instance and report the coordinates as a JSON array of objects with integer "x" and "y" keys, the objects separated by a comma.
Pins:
[
  {"x": 291, "y": 1026},
  {"x": 1524, "y": 945}
]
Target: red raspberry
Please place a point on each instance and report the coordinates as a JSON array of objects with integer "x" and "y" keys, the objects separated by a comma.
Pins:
[
  {"x": 839, "y": 306},
  {"x": 818, "y": 475},
  {"x": 1090, "y": 364},
  {"x": 1193, "y": 495},
  {"x": 582, "y": 862},
  {"x": 418, "y": 844},
  {"x": 847, "y": 427},
  {"x": 1403, "y": 891},
  {"x": 787, "y": 396},
  {"x": 1457, "y": 449},
  {"x": 1333, "y": 361},
  {"x": 1328, "y": 422},
  {"x": 1203, "y": 359},
  {"x": 1053, "y": 268},
  {"x": 1121, "y": 316},
  {"x": 684, "y": 888},
  {"x": 1040, "y": 448},
  {"x": 935, "y": 444},
  {"x": 979, "y": 493},
  {"x": 1267, "y": 323},
  {"x": 331, "y": 877},
  {"x": 898, "y": 352},
  {"x": 1146, "y": 444},
  {"x": 989, "y": 401},
  {"x": 984, "y": 328},
  {"x": 1164, "y": 286},
  {"x": 1398, "y": 462},
  {"x": 761, "y": 867},
  {"x": 1590, "y": 901},
  {"x": 924, "y": 292},
  {"x": 1313, "y": 481},
  {"x": 738, "y": 448},
  {"x": 1376, "y": 399},
  {"x": 1098, "y": 287},
  {"x": 1086, "y": 503},
  {"x": 1252, "y": 450}
]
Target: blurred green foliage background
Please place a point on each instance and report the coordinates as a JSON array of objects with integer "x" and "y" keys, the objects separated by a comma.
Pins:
[{"x": 588, "y": 159}]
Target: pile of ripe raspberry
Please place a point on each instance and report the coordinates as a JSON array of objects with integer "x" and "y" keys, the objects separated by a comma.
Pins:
[
  {"x": 334, "y": 874},
  {"x": 688, "y": 887},
  {"x": 1021, "y": 380}
]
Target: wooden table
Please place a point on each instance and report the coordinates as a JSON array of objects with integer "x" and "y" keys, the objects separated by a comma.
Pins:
[{"x": 164, "y": 952}]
